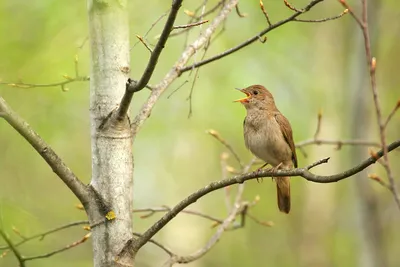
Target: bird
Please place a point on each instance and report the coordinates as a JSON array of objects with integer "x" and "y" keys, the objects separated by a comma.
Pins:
[{"x": 268, "y": 135}]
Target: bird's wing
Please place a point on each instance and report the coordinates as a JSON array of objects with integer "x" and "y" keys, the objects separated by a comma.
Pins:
[{"x": 287, "y": 134}]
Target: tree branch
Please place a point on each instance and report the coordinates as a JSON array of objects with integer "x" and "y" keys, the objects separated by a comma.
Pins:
[
  {"x": 239, "y": 179},
  {"x": 48, "y": 232},
  {"x": 371, "y": 63},
  {"x": 13, "y": 248},
  {"x": 151, "y": 65},
  {"x": 252, "y": 39},
  {"x": 67, "y": 247},
  {"x": 53, "y": 160},
  {"x": 175, "y": 72}
]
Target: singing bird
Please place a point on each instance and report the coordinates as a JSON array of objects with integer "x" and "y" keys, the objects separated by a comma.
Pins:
[{"x": 268, "y": 135}]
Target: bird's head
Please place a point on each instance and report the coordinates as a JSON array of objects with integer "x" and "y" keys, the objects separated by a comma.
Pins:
[{"x": 256, "y": 96}]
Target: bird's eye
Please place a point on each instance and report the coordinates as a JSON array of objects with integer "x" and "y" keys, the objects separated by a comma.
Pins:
[{"x": 255, "y": 92}]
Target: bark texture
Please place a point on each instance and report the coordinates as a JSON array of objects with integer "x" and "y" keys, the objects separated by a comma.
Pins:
[{"x": 112, "y": 162}]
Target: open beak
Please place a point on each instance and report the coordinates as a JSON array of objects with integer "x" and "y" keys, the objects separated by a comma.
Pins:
[{"x": 244, "y": 99}]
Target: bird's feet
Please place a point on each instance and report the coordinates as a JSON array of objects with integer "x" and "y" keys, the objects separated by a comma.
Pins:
[{"x": 259, "y": 170}]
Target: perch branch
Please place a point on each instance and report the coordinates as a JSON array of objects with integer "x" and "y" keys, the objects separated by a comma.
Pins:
[{"x": 239, "y": 179}]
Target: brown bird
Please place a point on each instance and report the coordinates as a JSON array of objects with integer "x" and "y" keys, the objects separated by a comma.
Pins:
[{"x": 268, "y": 135}]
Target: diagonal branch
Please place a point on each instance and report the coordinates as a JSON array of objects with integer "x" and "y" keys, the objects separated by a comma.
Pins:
[
  {"x": 53, "y": 160},
  {"x": 13, "y": 248},
  {"x": 239, "y": 179},
  {"x": 252, "y": 39},
  {"x": 151, "y": 65},
  {"x": 175, "y": 72}
]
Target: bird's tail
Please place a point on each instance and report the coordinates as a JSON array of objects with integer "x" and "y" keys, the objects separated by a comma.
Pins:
[{"x": 283, "y": 193}]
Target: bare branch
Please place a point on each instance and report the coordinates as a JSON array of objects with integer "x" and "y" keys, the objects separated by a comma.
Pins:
[
  {"x": 338, "y": 143},
  {"x": 211, "y": 242},
  {"x": 152, "y": 211},
  {"x": 376, "y": 178},
  {"x": 152, "y": 26},
  {"x": 239, "y": 179},
  {"x": 240, "y": 14},
  {"x": 217, "y": 136},
  {"x": 53, "y": 160},
  {"x": 144, "y": 43},
  {"x": 324, "y": 19},
  {"x": 175, "y": 72},
  {"x": 190, "y": 25},
  {"x": 62, "y": 84},
  {"x": 392, "y": 113},
  {"x": 151, "y": 65},
  {"x": 265, "y": 13},
  {"x": 371, "y": 62},
  {"x": 41, "y": 236},
  {"x": 350, "y": 10},
  {"x": 292, "y": 7},
  {"x": 252, "y": 39},
  {"x": 238, "y": 208},
  {"x": 49, "y": 254},
  {"x": 158, "y": 244},
  {"x": 13, "y": 248}
]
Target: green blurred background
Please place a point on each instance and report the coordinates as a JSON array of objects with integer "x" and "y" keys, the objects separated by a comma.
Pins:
[{"x": 308, "y": 67}]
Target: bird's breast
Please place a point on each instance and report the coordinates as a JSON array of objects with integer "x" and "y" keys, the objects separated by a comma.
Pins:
[{"x": 265, "y": 140}]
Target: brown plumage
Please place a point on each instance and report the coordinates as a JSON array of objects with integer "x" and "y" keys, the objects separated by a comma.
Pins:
[{"x": 268, "y": 135}]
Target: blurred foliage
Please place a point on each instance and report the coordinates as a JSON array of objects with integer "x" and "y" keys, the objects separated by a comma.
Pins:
[{"x": 307, "y": 67}]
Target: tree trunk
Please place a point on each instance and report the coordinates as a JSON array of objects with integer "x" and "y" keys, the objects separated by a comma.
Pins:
[{"x": 112, "y": 161}]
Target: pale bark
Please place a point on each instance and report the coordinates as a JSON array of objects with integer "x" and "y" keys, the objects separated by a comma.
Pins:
[{"x": 112, "y": 162}]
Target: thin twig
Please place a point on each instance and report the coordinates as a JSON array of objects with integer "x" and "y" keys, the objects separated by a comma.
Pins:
[
  {"x": 151, "y": 211},
  {"x": 265, "y": 13},
  {"x": 49, "y": 254},
  {"x": 350, "y": 10},
  {"x": 176, "y": 90},
  {"x": 168, "y": 251},
  {"x": 152, "y": 26},
  {"x": 392, "y": 114},
  {"x": 319, "y": 122},
  {"x": 338, "y": 143},
  {"x": 44, "y": 85},
  {"x": 144, "y": 43},
  {"x": 13, "y": 248},
  {"x": 175, "y": 72},
  {"x": 62, "y": 84},
  {"x": 238, "y": 208},
  {"x": 323, "y": 19},
  {"x": 217, "y": 136},
  {"x": 252, "y": 39},
  {"x": 224, "y": 175},
  {"x": 41, "y": 236},
  {"x": 189, "y": 25},
  {"x": 292, "y": 7},
  {"x": 240, "y": 14},
  {"x": 378, "y": 180}
]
